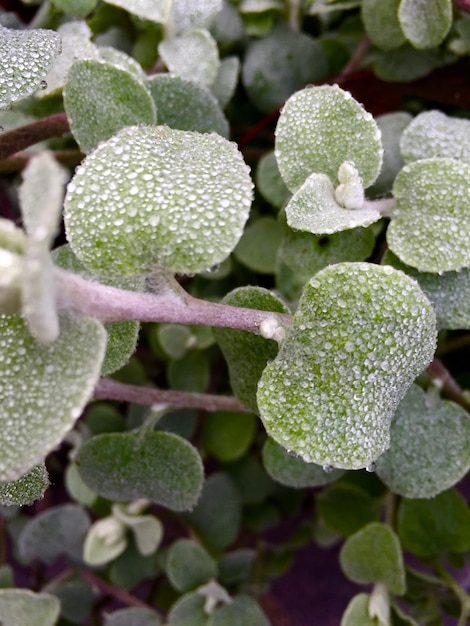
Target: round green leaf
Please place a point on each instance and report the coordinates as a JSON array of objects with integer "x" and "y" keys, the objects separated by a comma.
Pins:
[
  {"x": 430, "y": 449},
  {"x": 245, "y": 372},
  {"x": 188, "y": 610},
  {"x": 425, "y": 22},
  {"x": 257, "y": 249},
  {"x": 293, "y": 471},
  {"x": 43, "y": 388},
  {"x": 357, "y": 612},
  {"x": 193, "y": 56},
  {"x": 277, "y": 65},
  {"x": 172, "y": 198},
  {"x": 23, "y": 607},
  {"x": 185, "y": 105},
  {"x": 361, "y": 335},
  {"x": 434, "y": 134},
  {"x": 26, "y": 489},
  {"x": 432, "y": 527},
  {"x": 339, "y": 128},
  {"x": 134, "y": 616},
  {"x": 25, "y": 59},
  {"x": 433, "y": 202},
  {"x": 159, "y": 466},
  {"x": 373, "y": 555},
  {"x": 100, "y": 99},
  {"x": 228, "y": 435},
  {"x": 345, "y": 508},
  {"x": 189, "y": 565},
  {"x": 269, "y": 182},
  {"x": 243, "y": 610},
  {"x": 381, "y": 23}
]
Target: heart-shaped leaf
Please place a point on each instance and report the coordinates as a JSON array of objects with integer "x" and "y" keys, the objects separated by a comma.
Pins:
[
  {"x": 425, "y": 22},
  {"x": 23, "y": 607},
  {"x": 170, "y": 198},
  {"x": 361, "y": 335},
  {"x": 337, "y": 125},
  {"x": 25, "y": 59},
  {"x": 433, "y": 202},
  {"x": 26, "y": 489},
  {"x": 43, "y": 389},
  {"x": 430, "y": 449},
  {"x": 159, "y": 466}
]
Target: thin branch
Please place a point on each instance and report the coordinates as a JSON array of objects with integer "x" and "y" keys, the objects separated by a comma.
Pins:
[
  {"x": 444, "y": 380},
  {"x": 353, "y": 63},
  {"x": 119, "y": 594},
  {"x": 108, "y": 389},
  {"x": 17, "y": 162},
  {"x": 21, "y": 138}
]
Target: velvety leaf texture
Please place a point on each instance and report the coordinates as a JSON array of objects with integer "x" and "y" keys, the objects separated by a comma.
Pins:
[
  {"x": 381, "y": 23},
  {"x": 23, "y": 607},
  {"x": 339, "y": 128},
  {"x": 26, "y": 489},
  {"x": 361, "y": 335},
  {"x": 43, "y": 390},
  {"x": 189, "y": 565},
  {"x": 156, "y": 196},
  {"x": 425, "y": 22}
]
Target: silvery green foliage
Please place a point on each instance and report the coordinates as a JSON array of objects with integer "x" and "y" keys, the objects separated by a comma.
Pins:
[
  {"x": 106, "y": 540},
  {"x": 134, "y": 616},
  {"x": 193, "y": 56},
  {"x": 435, "y": 134},
  {"x": 76, "y": 8},
  {"x": 25, "y": 59},
  {"x": 330, "y": 397},
  {"x": 59, "y": 380},
  {"x": 26, "y": 489},
  {"x": 23, "y": 607},
  {"x": 226, "y": 80},
  {"x": 357, "y": 612},
  {"x": 178, "y": 200},
  {"x": 188, "y": 14},
  {"x": 269, "y": 181},
  {"x": 433, "y": 201},
  {"x": 381, "y": 23},
  {"x": 430, "y": 448},
  {"x": 153, "y": 10},
  {"x": 188, "y": 565},
  {"x": 425, "y": 23}
]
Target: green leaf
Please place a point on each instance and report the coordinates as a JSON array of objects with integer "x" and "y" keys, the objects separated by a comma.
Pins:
[
  {"x": 147, "y": 529},
  {"x": 44, "y": 389},
  {"x": 105, "y": 541},
  {"x": 154, "y": 11},
  {"x": 226, "y": 80},
  {"x": 278, "y": 65},
  {"x": 251, "y": 479},
  {"x": 195, "y": 14},
  {"x": 373, "y": 555},
  {"x": 26, "y": 489},
  {"x": 193, "y": 56},
  {"x": 243, "y": 610},
  {"x": 23, "y": 607},
  {"x": 430, "y": 449},
  {"x": 174, "y": 339},
  {"x": 100, "y": 99},
  {"x": 292, "y": 471},
  {"x": 245, "y": 372},
  {"x": 429, "y": 528},
  {"x": 76, "y": 8},
  {"x": 190, "y": 373},
  {"x": 315, "y": 209},
  {"x": 185, "y": 105},
  {"x": 269, "y": 181},
  {"x": 381, "y": 23},
  {"x": 449, "y": 292},
  {"x": 257, "y": 249},
  {"x": 434, "y": 134},
  {"x": 330, "y": 397},
  {"x": 337, "y": 125},
  {"x": 357, "y": 612},
  {"x": 433, "y": 202},
  {"x": 76, "y": 488},
  {"x": 134, "y": 616},
  {"x": 217, "y": 526},
  {"x": 57, "y": 531},
  {"x": 346, "y": 508},
  {"x": 159, "y": 466},
  {"x": 131, "y": 568},
  {"x": 236, "y": 566},
  {"x": 189, "y": 611},
  {"x": 171, "y": 222},
  {"x": 228, "y": 435},
  {"x": 425, "y": 23},
  {"x": 406, "y": 63},
  {"x": 76, "y": 596},
  {"x": 189, "y": 565},
  {"x": 25, "y": 59}
]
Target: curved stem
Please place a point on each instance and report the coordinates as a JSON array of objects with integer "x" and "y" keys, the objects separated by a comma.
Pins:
[
  {"x": 17, "y": 162},
  {"x": 108, "y": 389},
  {"x": 21, "y": 138},
  {"x": 115, "y": 592},
  {"x": 459, "y": 591},
  {"x": 443, "y": 379}
]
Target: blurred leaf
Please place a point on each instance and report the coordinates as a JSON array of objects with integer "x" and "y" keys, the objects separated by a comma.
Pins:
[
  {"x": 105, "y": 540},
  {"x": 21, "y": 607},
  {"x": 26, "y": 489},
  {"x": 237, "y": 566},
  {"x": 76, "y": 8},
  {"x": 251, "y": 479},
  {"x": 226, "y": 80},
  {"x": 228, "y": 435},
  {"x": 131, "y": 568},
  {"x": 406, "y": 63},
  {"x": 174, "y": 339},
  {"x": 269, "y": 181},
  {"x": 189, "y": 373},
  {"x": 345, "y": 508},
  {"x": 242, "y": 611},
  {"x": 158, "y": 11},
  {"x": 193, "y": 56},
  {"x": 425, "y": 22},
  {"x": 134, "y": 616},
  {"x": 194, "y": 14},
  {"x": 257, "y": 249},
  {"x": 76, "y": 598},
  {"x": 381, "y": 23},
  {"x": 76, "y": 488},
  {"x": 189, "y": 565},
  {"x": 188, "y": 610},
  {"x": 357, "y": 612}
]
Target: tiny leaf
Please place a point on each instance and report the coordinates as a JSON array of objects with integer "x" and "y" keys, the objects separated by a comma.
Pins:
[
  {"x": 105, "y": 541},
  {"x": 26, "y": 489},
  {"x": 425, "y": 22},
  {"x": 189, "y": 565},
  {"x": 357, "y": 612},
  {"x": 228, "y": 435},
  {"x": 159, "y": 466},
  {"x": 23, "y": 607}
]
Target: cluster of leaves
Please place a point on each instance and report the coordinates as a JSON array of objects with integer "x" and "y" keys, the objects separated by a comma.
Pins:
[{"x": 312, "y": 288}]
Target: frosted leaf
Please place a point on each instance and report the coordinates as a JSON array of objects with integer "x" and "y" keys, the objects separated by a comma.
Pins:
[
  {"x": 193, "y": 56},
  {"x": 40, "y": 194},
  {"x": 120, "y": 59},
  {"x": 26, "y": 489},
  {"x": 76, "y": 8},
  {"x": 449, "y": 292},
  {"x": 319, "y": 129},
  {"x": 43, "y": 389},
  {"x": 152, "y": 10},
  {"x": 361, "y": 335},
  {"x": 23, "y": 607},
  {"x": 425, "y": 23},
  {"x": 431, "y": 229},
  {"x": 381, "y": 23},
  {"x": 314, "y": 208},
  {"x": 184, "y": 105},
  {"x": 106, "y": 540},
  {"x": 430, "y": 449},
  {"x": 100, "y": 99},
  {"x": 277, "y": 65},
  {"x": 434, "y": 134},
  {"x": 156, "y": 196},
  {"x": 188, "y": 14},
  {"x": 226, "y": 80},
  {"x": 25, "y": 59},
  {"x": 293, "y": 471}
]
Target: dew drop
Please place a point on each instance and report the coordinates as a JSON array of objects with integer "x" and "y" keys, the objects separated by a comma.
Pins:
[
  {"x": 328, "y": 468},
  {"x": 371, "y": 467},
  {"x": 292, "y": 453},
  {"x": 43, "y": 85}
]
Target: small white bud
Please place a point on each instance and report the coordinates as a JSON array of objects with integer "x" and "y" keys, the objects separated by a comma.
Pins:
[{"x": 270, "y": 328}]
